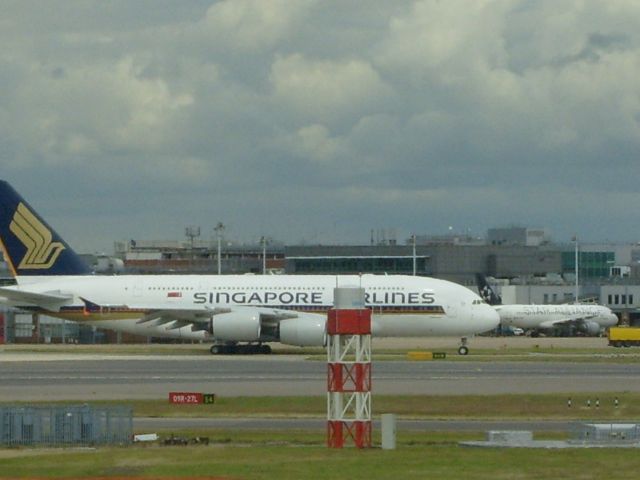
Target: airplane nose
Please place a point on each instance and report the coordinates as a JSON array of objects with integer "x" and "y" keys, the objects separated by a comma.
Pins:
[{"x": 489, "y": 318}]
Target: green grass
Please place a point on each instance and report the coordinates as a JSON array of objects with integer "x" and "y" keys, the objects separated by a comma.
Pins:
[
  {"x": 292, "y": 437},
  {"x": 286, "y": 454},
  {"x": 441, "y": 460},
  {"x": 521, "y": 406}
]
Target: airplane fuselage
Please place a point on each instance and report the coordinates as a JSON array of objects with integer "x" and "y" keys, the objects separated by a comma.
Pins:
[
  {"x": 548, "y": 316},
  {"x": 401, "y": 305}
]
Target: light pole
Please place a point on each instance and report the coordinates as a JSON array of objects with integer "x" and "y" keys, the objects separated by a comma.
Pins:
[
  {"x": 575, "y": 239},
  {"x": 192, "y": 232},
  {"x": 413, "y": 243},
  {"x": 263, "y": 242},
  {"x": 219, "y": 229}
]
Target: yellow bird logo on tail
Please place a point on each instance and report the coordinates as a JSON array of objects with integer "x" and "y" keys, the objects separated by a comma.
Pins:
[{"x": 42, "y": 252}]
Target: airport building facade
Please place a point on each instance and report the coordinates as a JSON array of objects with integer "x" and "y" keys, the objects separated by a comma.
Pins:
[
  {"x": 149, "y": 257},
  {"x": 458, "y": 263}
]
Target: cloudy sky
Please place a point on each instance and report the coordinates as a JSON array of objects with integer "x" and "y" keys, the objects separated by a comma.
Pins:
[{"x": 317, "y": 120}]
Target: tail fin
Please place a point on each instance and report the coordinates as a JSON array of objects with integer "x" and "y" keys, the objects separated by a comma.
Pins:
[
  {"x": 486, "y": 292},
  {"x": 30, "y": 246}
]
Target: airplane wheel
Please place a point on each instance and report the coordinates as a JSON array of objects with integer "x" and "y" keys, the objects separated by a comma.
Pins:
[
  {"x": 223, "y": 349},
  {"x": 462, "y": 350},
  {"x": 265, "y": 349}
]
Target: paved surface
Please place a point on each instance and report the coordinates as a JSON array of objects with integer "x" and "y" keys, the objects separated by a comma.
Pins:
[
  {"x": 84, "y": 377},
  {"x": 497, "y": 343},
  {"x": 595, "y": 344}
]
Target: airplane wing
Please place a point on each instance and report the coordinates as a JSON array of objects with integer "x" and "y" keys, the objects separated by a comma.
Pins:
[
  {"x": 198, "y": 316},
  {"x": 52, "y": 299},
  {"x": 567, "y": 321},
  {"x": 203, "y": 315}
]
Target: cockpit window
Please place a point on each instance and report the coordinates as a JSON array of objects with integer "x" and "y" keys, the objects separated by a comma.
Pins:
[{"x": 479, "y": 302}]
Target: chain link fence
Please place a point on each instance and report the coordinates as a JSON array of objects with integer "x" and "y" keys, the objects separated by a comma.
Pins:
[{"x": 65, "y": 425}]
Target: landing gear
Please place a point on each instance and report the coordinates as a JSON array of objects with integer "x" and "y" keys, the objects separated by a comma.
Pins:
[
  {"x": 235, "y": 349},
  {"x": 463, "y": 349}
]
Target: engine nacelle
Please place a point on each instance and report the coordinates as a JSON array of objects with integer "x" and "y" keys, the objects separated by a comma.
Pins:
[
  {"x": 236, "y": 327},
  {"x": 304, "y": 331},
  {"x": 590, "y": 328}
]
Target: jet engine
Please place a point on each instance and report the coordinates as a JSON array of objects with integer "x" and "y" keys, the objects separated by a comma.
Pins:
[
  {"x": 590, "y": 328},
  {"x": 236, "y": 327},
  {"x": 248, "y": 326},
  {"x": 304, "y": 331}
]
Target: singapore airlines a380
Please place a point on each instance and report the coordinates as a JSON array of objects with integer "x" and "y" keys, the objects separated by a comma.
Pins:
[{"x": 238, "y": 313}]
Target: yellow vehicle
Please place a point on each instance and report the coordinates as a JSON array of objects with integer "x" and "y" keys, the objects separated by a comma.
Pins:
[{"x": 624, "y": 337}]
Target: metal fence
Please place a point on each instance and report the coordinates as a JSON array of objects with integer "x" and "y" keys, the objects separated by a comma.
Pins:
[
  {"x": 65, "y": 425},
  {"x": 605, "y": 433}
]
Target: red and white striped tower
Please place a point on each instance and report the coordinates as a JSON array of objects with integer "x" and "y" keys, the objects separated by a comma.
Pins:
[{"x": 349, "y": 370}]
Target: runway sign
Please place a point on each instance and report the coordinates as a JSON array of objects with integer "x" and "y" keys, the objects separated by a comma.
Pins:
[{"x": 191, "y": 398}]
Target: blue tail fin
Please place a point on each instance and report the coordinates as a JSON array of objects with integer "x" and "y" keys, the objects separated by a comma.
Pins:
[{"x": 32, "y": 247}]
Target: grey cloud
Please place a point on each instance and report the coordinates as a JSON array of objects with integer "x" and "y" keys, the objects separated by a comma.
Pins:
[
  {"x": 596, "y": 45},
  {"x": 296, "y": 118}
]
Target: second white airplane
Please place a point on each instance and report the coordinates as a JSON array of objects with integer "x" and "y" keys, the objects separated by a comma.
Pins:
[
  {"x": 225, "y": 309},
  {"x": 587, "y": 319}
]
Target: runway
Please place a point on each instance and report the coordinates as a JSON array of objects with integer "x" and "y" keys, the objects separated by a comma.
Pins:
[{"x": 91, "y": 377}]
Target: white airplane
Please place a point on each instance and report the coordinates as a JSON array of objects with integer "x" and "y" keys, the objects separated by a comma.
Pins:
[
  {"x": 588, "y": 319},
  {"x": 225, "y": 309}
]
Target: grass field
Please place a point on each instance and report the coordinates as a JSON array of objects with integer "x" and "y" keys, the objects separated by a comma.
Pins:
[
  {"x": 439, "y": 459},
  {"x": 302, "y": 454},
  {"x": 520, "y": 407}
]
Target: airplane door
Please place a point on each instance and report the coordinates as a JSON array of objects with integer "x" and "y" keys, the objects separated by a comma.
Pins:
[
  {"x": 136, "y": 288},
  {"x": 452, "y": 310}
]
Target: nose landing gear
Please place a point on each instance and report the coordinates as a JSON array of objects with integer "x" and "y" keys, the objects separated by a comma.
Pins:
[{"x": 463, "y": 349}]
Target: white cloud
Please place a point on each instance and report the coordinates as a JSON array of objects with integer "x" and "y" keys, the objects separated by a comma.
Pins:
[
  {"x": 315, "y": 143},
  {"x": 255, "y": 25},
  {"x": 324, "y": 90},
  {"x": 94, "y": 109},
  {"x": 442, "y": 39}
]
